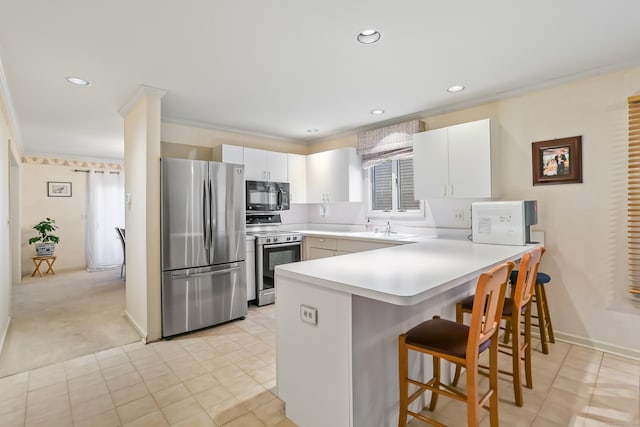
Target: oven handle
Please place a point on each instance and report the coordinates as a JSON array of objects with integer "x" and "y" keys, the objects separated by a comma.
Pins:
[{"x": 281, "y": 245}]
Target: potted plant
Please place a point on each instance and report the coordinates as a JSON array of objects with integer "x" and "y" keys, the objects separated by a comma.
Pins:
[{"x": 47, "y": 246}]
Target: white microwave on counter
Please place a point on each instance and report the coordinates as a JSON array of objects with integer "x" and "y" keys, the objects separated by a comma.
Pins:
[{"x": 503, "y": 223}]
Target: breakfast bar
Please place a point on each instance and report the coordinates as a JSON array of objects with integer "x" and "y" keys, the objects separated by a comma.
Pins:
[{"x": 338, "y": 320}]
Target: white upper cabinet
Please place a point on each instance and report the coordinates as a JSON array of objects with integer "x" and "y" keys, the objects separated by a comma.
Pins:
[
  {"x": 455, "y": 162},
  {"x": 334, "y": 176},
  {"x": 297, "y": 166},
  {"x": 228, "y": 154},
  {"x": 262, "y": 165}
]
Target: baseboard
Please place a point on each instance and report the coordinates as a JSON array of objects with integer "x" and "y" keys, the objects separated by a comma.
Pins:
[
  {"x": 606, "y": 347},
  {"x": 138, "y": 329},
  {"x": 4, "y": 334}
]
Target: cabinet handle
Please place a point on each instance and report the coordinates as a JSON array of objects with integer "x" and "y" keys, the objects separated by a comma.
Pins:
[{"x": 451, "y": 190}]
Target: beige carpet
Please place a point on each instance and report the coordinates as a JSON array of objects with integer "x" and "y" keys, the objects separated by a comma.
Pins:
[{"x": 57, "y": 318}]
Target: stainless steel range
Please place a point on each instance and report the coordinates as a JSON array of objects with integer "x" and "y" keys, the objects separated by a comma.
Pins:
[{"x": 273, "y": 247}]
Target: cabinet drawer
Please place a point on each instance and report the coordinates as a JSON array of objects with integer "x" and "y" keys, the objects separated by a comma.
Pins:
[
  {"x": 322, "y": 242},
  {"x": 359, "y": 245},
  {"x": 316, "y": 253}
]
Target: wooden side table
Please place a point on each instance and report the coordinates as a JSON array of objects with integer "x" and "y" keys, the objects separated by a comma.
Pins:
[{"x": 38, "y": 260}]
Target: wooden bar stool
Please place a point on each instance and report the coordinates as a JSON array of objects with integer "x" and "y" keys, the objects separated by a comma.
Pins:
[
  {"x": 515, "y": 309},
  {"x": 459, "y": 344},
  {"x": 542, "y": 316}
]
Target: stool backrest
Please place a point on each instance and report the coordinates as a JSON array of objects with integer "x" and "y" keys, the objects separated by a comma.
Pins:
[
  {"x": 527, "y": 272},
  {"x": 487, "y": 306}
]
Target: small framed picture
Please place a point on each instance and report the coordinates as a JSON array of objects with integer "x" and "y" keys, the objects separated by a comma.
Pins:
[
  {"x": 58, "y": 189},
  {"x": 557, "y": 161}
]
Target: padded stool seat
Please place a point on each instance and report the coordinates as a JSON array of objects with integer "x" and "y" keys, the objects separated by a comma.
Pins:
[
  {"x": 443, "y": 336},
  {"x": 541, "y": 278},
  {"x": 542, "y": 309}
]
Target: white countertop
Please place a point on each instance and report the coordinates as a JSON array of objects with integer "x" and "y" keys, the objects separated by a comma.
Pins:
[{"x": 403, "y": 274}]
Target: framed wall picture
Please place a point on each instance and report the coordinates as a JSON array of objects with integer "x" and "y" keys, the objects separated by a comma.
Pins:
[
  {"x": 58, "y": 189},
  {"x": 557, "y": 161}
]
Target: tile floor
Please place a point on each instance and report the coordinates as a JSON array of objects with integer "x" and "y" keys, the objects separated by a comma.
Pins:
[
  {"x": 572, "y": 386},
  {"x": 224, "y": 376}
]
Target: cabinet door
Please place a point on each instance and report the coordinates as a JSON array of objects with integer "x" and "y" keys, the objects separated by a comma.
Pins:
[
  {"x": 431, "y": 164},
  {"x": 232, "y": 154},
  {"x": 317, "y": 176},
  {"x": 470, "y": 160},
  {"x": 334, "y": 176},
  {"x": 255, "y": 162},
  {"x": 297, "y": 174},
  {"x": 250, "y": 264},
  {"x": 277, "y": 167}
]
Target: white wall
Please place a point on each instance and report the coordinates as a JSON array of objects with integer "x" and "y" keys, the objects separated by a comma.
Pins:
[
  {"x": 142, "y": 213},
  {"x": 69, "y": 213},
  {"x": 5, "y": 254},
  {"x": 584, "y": 224}
]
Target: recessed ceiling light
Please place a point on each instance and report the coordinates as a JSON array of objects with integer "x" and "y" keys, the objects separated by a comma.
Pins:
[
  {"x": 312, "y": 130},
  {"x": 377, "y": 112},
  {"x": 368, "y": 36},
  {"x": 455, "y": 88},
  {"x": 78, "y": 81}
]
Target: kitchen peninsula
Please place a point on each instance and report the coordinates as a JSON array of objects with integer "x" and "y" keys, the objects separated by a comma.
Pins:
[{"x": 338, "y": 320}]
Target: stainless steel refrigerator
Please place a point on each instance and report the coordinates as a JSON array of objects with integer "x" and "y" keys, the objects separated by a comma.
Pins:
[{"x": 203, "y": 244}]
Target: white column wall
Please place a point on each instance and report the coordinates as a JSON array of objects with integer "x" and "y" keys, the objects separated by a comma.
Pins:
[{"x": 142, "y": 212}]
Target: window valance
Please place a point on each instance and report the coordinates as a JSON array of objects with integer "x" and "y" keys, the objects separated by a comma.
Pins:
[{"x": 391, "y": 142}]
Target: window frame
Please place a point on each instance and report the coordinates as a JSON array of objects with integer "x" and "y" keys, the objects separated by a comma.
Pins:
[{"x": 394, "y": 213}]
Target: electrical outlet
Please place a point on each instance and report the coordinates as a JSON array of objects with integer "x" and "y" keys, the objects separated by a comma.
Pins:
[
  {"x": 308, "y": 314},
  {"x": 458, "y": 215}
]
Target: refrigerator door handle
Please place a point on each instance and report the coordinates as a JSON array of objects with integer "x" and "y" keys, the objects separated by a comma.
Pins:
[
  {"x": 205, "y": 215},
  {"x": 212, "y": 217},
  {"x": 208, "y": 273}
]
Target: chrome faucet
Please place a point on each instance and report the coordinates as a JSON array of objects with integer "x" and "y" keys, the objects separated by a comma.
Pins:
[{"x": 387, "y": 230}]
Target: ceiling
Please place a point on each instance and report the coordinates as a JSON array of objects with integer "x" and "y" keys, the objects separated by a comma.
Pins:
[{"x": 280, "y": 67}]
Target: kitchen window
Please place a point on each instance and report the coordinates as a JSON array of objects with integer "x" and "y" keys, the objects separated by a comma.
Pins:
[{"x": 391, "y": 190}]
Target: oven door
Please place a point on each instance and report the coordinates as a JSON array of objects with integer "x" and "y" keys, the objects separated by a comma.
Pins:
[{"x": 273, "y": 255}]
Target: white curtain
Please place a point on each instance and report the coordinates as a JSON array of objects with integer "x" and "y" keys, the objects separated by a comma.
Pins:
[{"x": 105, "y": 212}]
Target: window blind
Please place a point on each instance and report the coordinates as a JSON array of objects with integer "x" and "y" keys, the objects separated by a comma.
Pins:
[
  {"x": 382, "y": 194},
  {"x": 391, "y": 142},
  {"x": 633, "y": 197},
  {"x": 405, "y": 186}
]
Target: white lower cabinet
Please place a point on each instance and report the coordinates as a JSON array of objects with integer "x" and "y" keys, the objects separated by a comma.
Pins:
[
  {"x": 315, "y": 247},
  {"x": 250, "y": 264}
]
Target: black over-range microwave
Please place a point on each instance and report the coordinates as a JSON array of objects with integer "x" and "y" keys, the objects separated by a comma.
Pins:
[{"x": 267, "y": 196}]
